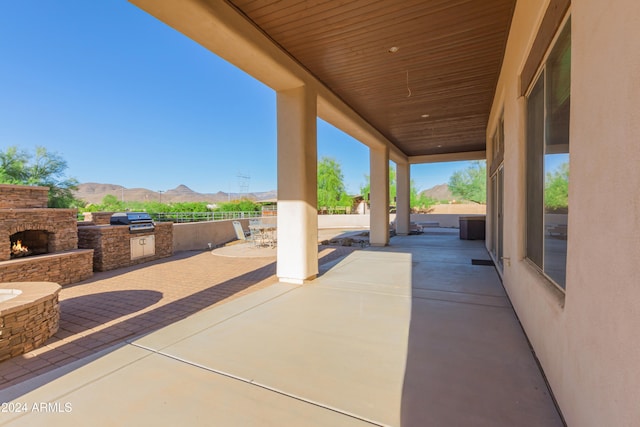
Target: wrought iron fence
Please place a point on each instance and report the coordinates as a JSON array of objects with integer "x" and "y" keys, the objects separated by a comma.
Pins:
[
  {"x": 202, "y": 216},
  {"x": 336, "y": 210},
  {"x": 222, "y": 216}
]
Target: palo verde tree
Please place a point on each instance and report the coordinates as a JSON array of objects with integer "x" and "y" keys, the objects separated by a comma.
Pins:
[
  {"x": 13, "y": 164},
  {"x": 331, "y": 189},
  {"x": 470, "y": 183},
  {"x": 42, "y": 168}
]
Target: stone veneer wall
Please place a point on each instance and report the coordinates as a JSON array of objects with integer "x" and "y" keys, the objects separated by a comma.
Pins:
[
  {"x": 112, "y": 248},
  {"x": 23, "y": 197},
  {"x": 63, "y": 268},
  {"x": 28, "y": 320},
  {"x": 98, "y": 218},
  {"x": 61, "y": 224}
]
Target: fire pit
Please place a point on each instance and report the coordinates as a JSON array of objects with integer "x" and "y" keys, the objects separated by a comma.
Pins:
[{"x": 29, "y": 316}]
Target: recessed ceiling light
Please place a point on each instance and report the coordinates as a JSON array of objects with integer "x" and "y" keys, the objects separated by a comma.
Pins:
[
  {"x": 439, "y": 145},
  {"x": 424, "y": 116},
  {"x": 394, "y": 49}
]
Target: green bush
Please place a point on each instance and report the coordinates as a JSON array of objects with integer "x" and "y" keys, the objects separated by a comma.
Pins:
[
  {"x": 244, "y": 205},
  {"x": 556, "y": 188}
]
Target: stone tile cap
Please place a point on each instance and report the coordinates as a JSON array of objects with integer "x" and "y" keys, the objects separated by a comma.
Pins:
[{"x": 29, "y": 293}]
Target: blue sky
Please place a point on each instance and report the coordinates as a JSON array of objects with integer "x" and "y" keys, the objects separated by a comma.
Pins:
[{"x": 126, "y": 100}]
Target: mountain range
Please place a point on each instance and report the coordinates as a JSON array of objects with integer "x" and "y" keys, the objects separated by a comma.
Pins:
[{"x": 92, "y": 192}]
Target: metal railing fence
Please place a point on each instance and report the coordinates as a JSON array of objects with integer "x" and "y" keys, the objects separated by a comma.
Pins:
[{"x": 202, "y": 216}]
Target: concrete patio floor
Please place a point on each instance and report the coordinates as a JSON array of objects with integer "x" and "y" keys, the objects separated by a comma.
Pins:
[
  {"x": 122, "y": 304},
  {"x": 412, "y": 334}
]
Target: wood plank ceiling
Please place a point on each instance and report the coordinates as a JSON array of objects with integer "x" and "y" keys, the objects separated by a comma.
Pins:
[{"x": 433, "y": 95}]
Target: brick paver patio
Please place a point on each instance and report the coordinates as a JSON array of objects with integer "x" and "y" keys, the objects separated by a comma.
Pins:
[{"x": 118, "y": 305}]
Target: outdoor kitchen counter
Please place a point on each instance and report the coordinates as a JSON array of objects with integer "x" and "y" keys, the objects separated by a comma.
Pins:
[{"x": 112, "y": 244}]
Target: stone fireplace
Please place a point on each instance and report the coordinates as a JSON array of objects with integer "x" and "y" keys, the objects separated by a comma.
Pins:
[{"x": 38, "y": 243}]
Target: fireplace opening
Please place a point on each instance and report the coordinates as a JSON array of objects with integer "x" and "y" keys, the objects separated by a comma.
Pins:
[{"x": 29, "y": 242}]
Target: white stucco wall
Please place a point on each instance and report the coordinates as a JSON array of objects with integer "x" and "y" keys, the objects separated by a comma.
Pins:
[
  {"x": 195, "y": 236},
  {"x": 343, "y": 221},
  {"x": 587, "y": 341}
]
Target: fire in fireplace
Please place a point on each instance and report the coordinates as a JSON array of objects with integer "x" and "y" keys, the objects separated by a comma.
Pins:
[
  {"x": 18, "y": 250},
  {"x": 29, "y": 242}
]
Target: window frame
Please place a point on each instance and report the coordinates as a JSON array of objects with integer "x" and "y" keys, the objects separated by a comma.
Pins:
[
  {"x": 496, "y": 174},
  {"x": 540, "y": 77}
]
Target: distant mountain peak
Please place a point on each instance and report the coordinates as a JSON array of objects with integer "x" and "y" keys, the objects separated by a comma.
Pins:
[
  {"x": 182, "y": 189},
  {"x": 439, "y": 192}
]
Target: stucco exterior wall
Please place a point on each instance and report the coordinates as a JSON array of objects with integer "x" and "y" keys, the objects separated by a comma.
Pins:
[
  {"x": 196, "y": 236},
  {"x": 343, "y": 221},
  {"x": 586, "y": 339}
]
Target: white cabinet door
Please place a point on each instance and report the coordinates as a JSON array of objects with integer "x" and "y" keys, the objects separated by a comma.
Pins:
[{"x": 143, "y": 246}]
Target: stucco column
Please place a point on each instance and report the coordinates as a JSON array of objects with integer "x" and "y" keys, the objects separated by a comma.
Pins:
[
  {"x": 297, "y": 248},
  {"x": 403, "y": 198},
  {"x": 379, "y": 215}
]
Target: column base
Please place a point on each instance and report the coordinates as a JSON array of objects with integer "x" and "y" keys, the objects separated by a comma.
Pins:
[{"x": 297, "y": 281}]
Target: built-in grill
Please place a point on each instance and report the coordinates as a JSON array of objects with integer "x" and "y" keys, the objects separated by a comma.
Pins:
[{"x": 137, "y": 221}]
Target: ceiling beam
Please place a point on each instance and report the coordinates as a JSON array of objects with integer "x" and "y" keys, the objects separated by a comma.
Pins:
[{"x": 448, "y": 157}]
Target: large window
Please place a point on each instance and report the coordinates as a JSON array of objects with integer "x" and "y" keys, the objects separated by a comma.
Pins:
[{"x": 548, "y": 106}]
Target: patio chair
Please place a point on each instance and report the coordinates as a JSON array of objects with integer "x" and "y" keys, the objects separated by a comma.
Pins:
[
  {"x": 256, "y": 236},
  {"x": 240, "y": 233},
  {"x": 273, "y": 238}
]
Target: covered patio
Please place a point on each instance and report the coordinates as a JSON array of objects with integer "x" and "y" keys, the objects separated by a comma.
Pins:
[{"x": 412, "y": 334}]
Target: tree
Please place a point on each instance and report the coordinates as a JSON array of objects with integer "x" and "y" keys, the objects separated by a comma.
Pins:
[
  {"x": 43, "y": 169},
  {"x": 331, "y": 189},
  {"x": 470, "y": 183},
  {"x": 13, "y": 166},
  {"x": 365, "y": 190},
  {"x": 244, "y": 205},
  {"x": 556, "y": 188},
  {"x": 416, "y": 200},
  {"x": 190, "y": 207},
  {"x": 110, "y": 203}
]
